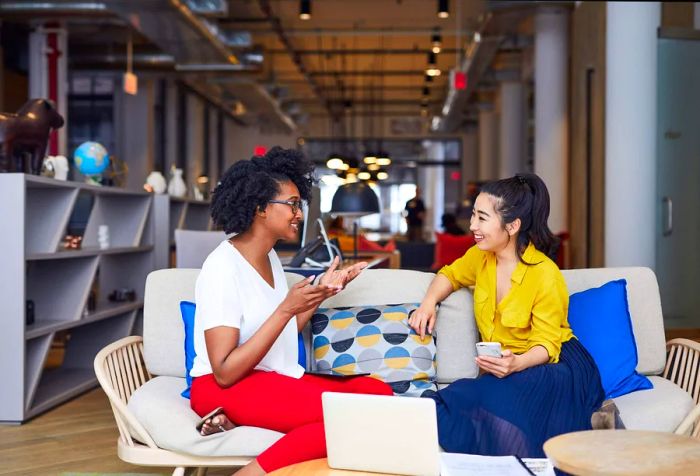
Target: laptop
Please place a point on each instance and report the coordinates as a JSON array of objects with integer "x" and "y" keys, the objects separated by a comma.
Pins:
[{"x": 381, "y": 434}]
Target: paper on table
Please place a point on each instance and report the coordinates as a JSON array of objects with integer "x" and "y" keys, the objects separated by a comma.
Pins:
[
  {"x": 458, "y": 464},
  {"x": 539, "y": 466}
]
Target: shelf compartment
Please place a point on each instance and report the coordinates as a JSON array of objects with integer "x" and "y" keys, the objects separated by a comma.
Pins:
[
  {"x": 66, "y": 254},
  {"x": 36, "y": 352},
  {"x": 104, "y": 311},
  {"x": 59, "y": 288},
  {"x": 76, "y": 374},
  {"x": 124, "y": 215},
  {"x": 58, "y": 385},
  {"x": 177, "y": 217},
  {"x": 124, "y": 271},
  {"x": 47, "y": 214},
  {"x": 86, "y": 341},
  {"x": 197, "y": 216}
]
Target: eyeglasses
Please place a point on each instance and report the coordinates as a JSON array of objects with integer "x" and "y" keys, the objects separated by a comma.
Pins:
[{"x": 294, "y": 204}]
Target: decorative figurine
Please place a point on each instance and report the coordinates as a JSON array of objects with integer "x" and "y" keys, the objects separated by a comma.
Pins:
[
  {"x": 27, "y": 132},
  {"x": 177, "y": 186},
  {"x": 56, "y": 166},
  {"x": 155, "y": 182}
]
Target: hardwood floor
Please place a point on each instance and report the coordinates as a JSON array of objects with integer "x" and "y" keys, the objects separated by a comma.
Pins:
[{"x": 79, "y": 436}]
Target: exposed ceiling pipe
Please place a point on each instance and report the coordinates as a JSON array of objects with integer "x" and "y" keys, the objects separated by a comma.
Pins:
[
  {"x": 480, "y": 55},
  {"x": 55, "y": 8},
  {"x": 204, "y": 30},
  {"x": 295, "y": 56}
]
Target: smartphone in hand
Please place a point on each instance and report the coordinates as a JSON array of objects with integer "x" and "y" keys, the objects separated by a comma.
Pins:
[{"x": 491, "y": 349}]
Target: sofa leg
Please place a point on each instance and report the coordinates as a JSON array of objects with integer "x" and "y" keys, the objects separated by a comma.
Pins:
[
  {"x": 179, "y": 471},
  {"x": 201, "y": 471}
]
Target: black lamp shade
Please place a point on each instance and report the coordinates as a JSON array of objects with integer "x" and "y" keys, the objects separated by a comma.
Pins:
[{"x": 355, "y": 199}]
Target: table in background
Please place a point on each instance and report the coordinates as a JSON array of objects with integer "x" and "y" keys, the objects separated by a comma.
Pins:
[{"x": 624, "y": 452}]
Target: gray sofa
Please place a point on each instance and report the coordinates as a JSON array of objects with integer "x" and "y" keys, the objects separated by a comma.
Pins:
[{"x": 156, "y": 412}]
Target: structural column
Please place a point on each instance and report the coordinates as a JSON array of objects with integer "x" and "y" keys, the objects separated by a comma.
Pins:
[
  {"x": 470, "y": 154},
  {"x": 488, "y": 143},
  {"x": 432, "y": 182},
  {"x": 512, "y": 131},
  {"x": 48, "y": 78},
  {"x": 551, "y": 112},
  {"x": 630, "y": 132}
]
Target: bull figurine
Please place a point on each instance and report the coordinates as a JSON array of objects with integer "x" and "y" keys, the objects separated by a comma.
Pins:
[{"x": 27, "y": 133}]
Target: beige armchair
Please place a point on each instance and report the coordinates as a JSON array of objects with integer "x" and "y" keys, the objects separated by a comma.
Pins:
[{"x": 121, "y": 370}]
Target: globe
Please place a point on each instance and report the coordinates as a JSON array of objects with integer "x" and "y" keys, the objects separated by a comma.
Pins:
[{"x": 91, "y": 158}]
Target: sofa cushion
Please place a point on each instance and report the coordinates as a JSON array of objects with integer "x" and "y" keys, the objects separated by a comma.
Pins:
[
  {"x": 378, "y": 340},
  {"x": 455, "y": 326},
  {"x": 600, "y": 319},
  {"x": 163, "y": 332},
  {"x": 170, "y": 421},
  {"x": 644, "y": 306},
  {"x": 661, "y": 408}
]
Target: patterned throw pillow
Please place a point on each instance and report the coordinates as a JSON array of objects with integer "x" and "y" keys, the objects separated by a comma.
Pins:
[{"x": 378, "y": 340}]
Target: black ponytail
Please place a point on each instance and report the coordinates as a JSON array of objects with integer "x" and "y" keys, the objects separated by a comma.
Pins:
[{"x": 525, "y": 196}]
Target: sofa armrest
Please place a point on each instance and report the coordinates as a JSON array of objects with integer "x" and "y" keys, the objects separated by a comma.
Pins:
[
  {"x": 683, "y": 369},
  {"x": 689, "y": 426},
  {"x": 120, "y": 371}
]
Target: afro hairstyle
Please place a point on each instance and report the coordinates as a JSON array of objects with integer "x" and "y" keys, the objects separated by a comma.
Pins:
[{"x": 248, "y": 185}]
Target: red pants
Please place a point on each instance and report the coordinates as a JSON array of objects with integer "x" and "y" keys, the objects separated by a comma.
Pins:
[{"x": 285, "y": 404}]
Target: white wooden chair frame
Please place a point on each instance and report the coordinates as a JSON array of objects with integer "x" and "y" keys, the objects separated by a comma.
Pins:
[
  {"x": 683, "y": 369},
  {"x": 120, "y": 370}
]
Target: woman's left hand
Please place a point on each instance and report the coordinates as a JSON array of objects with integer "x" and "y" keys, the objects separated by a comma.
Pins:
[
  {"x": 340, "y": 278},
  {"x": 500, "y": 367}
]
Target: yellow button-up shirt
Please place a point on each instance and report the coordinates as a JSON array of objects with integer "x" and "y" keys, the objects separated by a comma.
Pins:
[{"x": 534, "y": 312}]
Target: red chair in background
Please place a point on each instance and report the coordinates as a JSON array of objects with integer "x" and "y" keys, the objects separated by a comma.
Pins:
[{"x": 450, "y": 247}]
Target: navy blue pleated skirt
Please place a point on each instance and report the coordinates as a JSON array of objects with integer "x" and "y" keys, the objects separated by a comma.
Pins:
[{"x": 515, "y": 415}]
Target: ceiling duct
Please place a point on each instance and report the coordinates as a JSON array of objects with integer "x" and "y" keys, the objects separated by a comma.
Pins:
[
  {"x": 172, "y": 26},
  {"x": 235, "y": 38},
  {"x": 53, "y": 8},
  {"x": 214, "y": 8},
  {"x": 502, "y": 20}
]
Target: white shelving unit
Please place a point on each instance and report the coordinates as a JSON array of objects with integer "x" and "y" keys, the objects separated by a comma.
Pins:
[
  {"x": 173, "y": 213},
  {"x": 35, "y": 212}
]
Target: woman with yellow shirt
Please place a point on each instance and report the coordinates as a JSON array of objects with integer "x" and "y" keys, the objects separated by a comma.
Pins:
[{"x": 545, "y": 383}]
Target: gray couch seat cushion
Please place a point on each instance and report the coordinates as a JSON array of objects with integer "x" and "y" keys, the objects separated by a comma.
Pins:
[
  {"x": 661, "y": 408},
  {"x": 170, "y": 421}
]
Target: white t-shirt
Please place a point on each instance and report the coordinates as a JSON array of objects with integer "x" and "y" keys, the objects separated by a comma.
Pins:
[{"x": 230, "y": 292}]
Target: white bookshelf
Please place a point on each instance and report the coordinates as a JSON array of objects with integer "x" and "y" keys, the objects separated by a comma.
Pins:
[{"x": 33, "y": 266}]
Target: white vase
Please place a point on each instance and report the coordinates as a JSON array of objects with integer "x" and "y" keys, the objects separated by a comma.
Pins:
[
  {"x": 157, "y": 182},
  {"x": 177, "y": 186}
]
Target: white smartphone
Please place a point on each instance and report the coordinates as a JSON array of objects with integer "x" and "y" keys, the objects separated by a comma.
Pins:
[{"x": 491, "y": 349}]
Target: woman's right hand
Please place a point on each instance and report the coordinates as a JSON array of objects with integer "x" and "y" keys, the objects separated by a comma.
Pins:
[
  {"x": 423, "y": 318},
  {"x": 304, "y": 296}
]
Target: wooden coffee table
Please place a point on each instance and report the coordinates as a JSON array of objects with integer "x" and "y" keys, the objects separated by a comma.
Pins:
[
  {"x": 624, "y": 452},
  {"x": 317, "y": 467}
]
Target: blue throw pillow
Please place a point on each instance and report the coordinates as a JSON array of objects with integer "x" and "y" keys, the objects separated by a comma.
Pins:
[
  {"x": 600, "y": 318},
  {"x": 187, "y": 310}
]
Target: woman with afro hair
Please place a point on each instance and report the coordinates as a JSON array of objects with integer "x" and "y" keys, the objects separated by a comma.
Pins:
[{"x": 247, "y": 319}]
